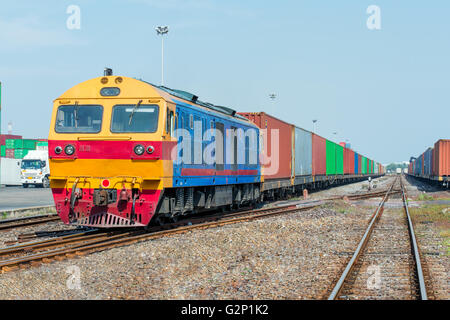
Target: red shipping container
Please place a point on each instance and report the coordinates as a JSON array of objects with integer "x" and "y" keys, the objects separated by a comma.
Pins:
[
  {"x": 441, "y": 164},
  {"x": 9, "y": 153},
  {"x": 319, "y": 159},
  {"x": 359, "y": 164},
  {"x": 349, "y": 161},
  {"x": 3, "y": 137},
  {"x": 285, "y": 144}
]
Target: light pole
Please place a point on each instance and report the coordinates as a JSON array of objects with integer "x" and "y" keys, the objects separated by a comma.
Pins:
[
  {"x": 162, "y": 31},
  {"x": 314, "y": 125}
]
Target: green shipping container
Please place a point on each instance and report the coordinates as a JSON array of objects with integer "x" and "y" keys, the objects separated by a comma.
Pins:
[
  {"x": 2, "y": 151},
  {"x": 363, "y": 165},
  {"x": 42, "y": 143},
  {"x": 334, "y": 158},
  {"x": 25, "y": 144},
  {"x": 20, "y": 153},
  {"x": 9, "y": 143},
  {"x": 331, "y": 157},
  {"x": 339, "y": 159}
]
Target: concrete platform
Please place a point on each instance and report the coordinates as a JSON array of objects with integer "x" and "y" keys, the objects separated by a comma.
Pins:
[{"x": 18, "y": 197}]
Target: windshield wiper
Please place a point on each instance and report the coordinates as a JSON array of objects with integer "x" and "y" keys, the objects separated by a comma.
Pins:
[
  {"x": 75, "y": 114},
  {"x": 132, "y": 112}
]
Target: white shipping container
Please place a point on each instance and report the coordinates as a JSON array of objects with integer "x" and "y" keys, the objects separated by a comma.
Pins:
[
  {"x": 45, "y": 148},
  {"x": 10, "y": 172}
]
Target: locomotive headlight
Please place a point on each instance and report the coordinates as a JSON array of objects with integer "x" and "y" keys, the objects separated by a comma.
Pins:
[
  {"x": 150, "y": 149},
  {"x": 139, "y": 149},
  {"x": 69, "y": 149},
  {"x": 58, "y": 150}
]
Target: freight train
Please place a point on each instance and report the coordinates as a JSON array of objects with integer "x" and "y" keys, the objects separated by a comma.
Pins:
[
  {"x": 433, "y": 165},
  {"x": 127, "y": 153}
]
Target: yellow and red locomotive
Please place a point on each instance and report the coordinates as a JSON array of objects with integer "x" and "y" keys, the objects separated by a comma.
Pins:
[{"x": 112, "y": 158}]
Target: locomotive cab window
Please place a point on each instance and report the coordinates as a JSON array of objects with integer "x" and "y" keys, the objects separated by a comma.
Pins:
[
  {"x": 79, "y": 119},
  {"x": 137, "y": 118}
]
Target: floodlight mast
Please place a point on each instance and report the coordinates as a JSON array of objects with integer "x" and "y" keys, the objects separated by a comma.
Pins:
[{"x": 161, "y": 31}]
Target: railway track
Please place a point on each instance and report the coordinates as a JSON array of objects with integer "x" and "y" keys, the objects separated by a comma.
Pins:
[
  {"x": 37, "y": 252},
  {"x": 27, "y": 221},
  {"x": 386, "y": 263},
  {"x": 41, "y": 219}
]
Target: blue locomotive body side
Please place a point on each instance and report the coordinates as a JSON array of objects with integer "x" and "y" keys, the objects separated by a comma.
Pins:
[{"x": 198, "y": 161}]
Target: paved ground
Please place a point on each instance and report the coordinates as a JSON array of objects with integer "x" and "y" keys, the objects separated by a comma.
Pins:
[{"x": 18, "y": 197}]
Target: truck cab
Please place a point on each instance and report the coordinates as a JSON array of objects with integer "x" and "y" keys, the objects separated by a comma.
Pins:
[{"x": 35, "y": 170}]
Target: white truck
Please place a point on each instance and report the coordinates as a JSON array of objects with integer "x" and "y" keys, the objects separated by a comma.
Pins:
[{"x": 35, "y": 169}]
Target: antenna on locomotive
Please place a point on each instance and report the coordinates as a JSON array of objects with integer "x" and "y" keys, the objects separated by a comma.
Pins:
[{"x": 108, "y": 72}]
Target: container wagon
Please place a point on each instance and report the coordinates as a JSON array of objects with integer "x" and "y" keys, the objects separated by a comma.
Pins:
[{"x": 433, "y": 165}]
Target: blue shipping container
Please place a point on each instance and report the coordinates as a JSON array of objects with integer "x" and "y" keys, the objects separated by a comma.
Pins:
[
  {"x": 427, "y": 162},
  {"x": 356, "y": 163}
]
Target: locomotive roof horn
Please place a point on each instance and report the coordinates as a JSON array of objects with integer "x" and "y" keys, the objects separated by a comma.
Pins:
[{"x": 108, "y": 72}]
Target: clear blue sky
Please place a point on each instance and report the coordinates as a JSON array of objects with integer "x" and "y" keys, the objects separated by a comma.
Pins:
[{"x": 386, "y": 91}]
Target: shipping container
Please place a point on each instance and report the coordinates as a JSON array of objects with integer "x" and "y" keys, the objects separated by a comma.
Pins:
[
  {"x": 20, "y": 153},
  {"x": 319, "y": 163},
  {"x": 42, "y": 148},
  {"x": 360, "y": 164},
  {"x": 349, "y": 161},
  {"x": 41, "y": 143},
  {"x": 441, "y": 165},
  {"x": 10, "y": 171},
  {"x": 375, "y": 168},
  {"x": 25, "y": 144},
  {"x": 2, "y": 151},
  {"x": 9, "y": 143},
  {"x": 303, "y": 152},
  {"x": 427, "y": 162},
  {"x": 418, "y": 165},
  {"x": 335, "y": 158},
  {"x": 339, "y": 159},
  {"x": 356, "y": 163},
  {"x": 283, "y": 166},
  {"x": 3, "y": 138},
  {"x": 363, "y": 165},
  {"x": 331, "y": 157},
  {"x": 9, "y": 153}
]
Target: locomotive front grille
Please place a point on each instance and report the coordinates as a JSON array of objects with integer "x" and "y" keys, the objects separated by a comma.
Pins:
[{"x": 106, "y": 219}]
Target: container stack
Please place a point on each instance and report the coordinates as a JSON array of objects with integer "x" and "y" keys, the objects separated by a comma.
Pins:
[
  {"x": 12, "y": 149},
  {"x": 18, "y": 148}
]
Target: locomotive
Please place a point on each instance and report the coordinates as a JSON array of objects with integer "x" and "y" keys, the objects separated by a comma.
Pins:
[{"x": 117, "y": 159}]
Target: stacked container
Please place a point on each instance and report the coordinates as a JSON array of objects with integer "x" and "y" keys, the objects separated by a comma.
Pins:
[{"x": 18, "y": 148}]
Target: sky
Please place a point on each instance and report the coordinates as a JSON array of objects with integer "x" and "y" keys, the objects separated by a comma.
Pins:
[{"x": 384, "y": 90}]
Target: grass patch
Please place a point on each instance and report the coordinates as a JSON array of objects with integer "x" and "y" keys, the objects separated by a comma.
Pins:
[
  {"x": 26, "y": 213},
  {"x": 424, "y": 197},
  {"x": 436, "y": 216}
]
